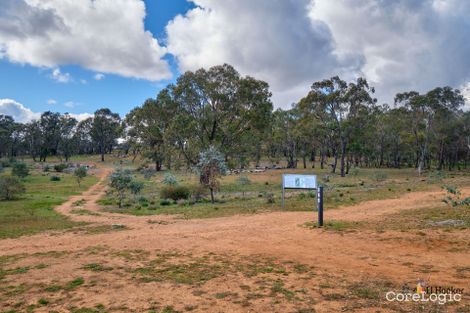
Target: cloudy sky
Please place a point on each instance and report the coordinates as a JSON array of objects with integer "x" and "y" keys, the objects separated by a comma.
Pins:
[{"x": 80, "y": 55}]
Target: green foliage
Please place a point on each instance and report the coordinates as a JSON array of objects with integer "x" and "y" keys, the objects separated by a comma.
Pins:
[
  {"x": 169, "y": 179},
  {"x": 10, "y": 187},
  {"x": 80, "y": 173},
  {"x": 136, "y": 187},
  {"x": 20, "y": 170},
  {"x": 121, "y": 182},
  {"x": 175, "y": 192},
  {"x": 55, "y": 178},
  {"x": 211, "y": 167},
  {"x": 59, "y": 168},
  {"x": 453, "y": 197},
  {"x": 165, "y": 202}
]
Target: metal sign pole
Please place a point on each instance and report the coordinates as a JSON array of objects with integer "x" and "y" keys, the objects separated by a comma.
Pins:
[
  {"x": 283, "y": 191},
  {"x": 320, "y": 205}
]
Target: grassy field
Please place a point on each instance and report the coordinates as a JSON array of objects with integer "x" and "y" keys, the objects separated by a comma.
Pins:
[
  {"x": 362, "y": 185},
  {"x": 33, "y": 211}
]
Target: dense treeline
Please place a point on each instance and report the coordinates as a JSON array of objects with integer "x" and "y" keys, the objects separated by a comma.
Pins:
[{"x": 337, "y": 124}]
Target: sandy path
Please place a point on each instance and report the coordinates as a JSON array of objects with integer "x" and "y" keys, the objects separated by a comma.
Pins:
[{"x": 278, "y": 234}]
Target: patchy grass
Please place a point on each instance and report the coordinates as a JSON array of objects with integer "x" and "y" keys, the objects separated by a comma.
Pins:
[
  {"x": 339, "y": 191},
  {"x": 33, "y": 212},
  {"x": 84, "y": 212},
  {"x": 424, "y": 218},
  {"x": 97, "y": 267}
]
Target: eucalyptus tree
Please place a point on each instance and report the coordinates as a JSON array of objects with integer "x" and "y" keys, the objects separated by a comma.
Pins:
[
  {"x": 7, "y": 126},
  {"x": 425, "y": 111},
  {"x": 149, "y": 126},
  {"x": 68, "y": 142},
  {"x": 105, "y": 130},
  {"x": 216, "y": 107},
  {"x": 335, "y": 104},
  {"x": 50, "y": 127}
]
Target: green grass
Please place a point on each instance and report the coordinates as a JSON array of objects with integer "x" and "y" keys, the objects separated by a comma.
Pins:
[
  {"x": 424, "y": 218},
  {"x": 33, "y": 212},
  {"x": 366, "y": 184}
]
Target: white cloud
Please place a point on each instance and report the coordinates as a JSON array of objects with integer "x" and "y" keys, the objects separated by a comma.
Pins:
[
  {"x": 23, "y": 114},
  {"x": 102, "y": 35},
  {"x": 81, "y": 116},
  {"x": 51, "y": 101},
  {"x": 18, "y": 111},
  {"x": 70, "y": 104},
  {"x": 397, "y": 45},
  {"x": 60, "y": 77},
  {"x": 272, "y": 40},
  {"x": 83, "y": 81},
  {"x": 465, "y": 88},
  {"x": 99, "y": 76}
]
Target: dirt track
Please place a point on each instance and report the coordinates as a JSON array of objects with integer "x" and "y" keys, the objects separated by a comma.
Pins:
[{"x": 392, "y": 255}]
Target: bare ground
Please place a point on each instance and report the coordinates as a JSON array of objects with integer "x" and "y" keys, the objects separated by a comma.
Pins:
[{"x": 232, "y": 264}]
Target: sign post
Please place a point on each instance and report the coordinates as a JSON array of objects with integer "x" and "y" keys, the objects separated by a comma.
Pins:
[
  {"x": 294, "y": 181},
  {"x": 320, "y": 205}
]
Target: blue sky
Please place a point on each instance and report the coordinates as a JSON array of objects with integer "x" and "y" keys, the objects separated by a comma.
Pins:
[
  {"x": 78, "y": 56},
  {"x": 34, "y": 88}
]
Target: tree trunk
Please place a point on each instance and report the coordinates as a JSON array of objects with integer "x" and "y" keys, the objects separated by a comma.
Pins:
[
  {"x": 304, "y": 159},
  {"x": 212, "y": 195},
  {"x": 343, "y": 156}
]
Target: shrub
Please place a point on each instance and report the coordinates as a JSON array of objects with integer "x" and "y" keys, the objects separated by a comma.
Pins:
[
  {"x": 6, "y": 163},
  {"x": 148, "y": 172},
  {"x": 136, "y": 187},
  {"x": 46, "y": 168},
  {"x": 55, "y": 178},
  {"x": 270, "y": 197},
  {"x": 121, "y": 181},
  {"x": 10, "y": 187},
  {"x": 80, "y": 173},
  {"x": 59, "y": 168},
  {"x": 175, "y": 192},
  {"x": 20, "y": 170},
  {"x": 165, "y": 202},
  {"x": 170, "y": 179},
  {"x": 211, "y": 167}
]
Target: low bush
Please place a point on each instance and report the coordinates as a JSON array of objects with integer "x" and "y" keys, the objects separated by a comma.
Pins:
[
  {"x": 270, "y": 197},
  {"x": 20, "y": 170},
  {"x": 165, "y": 202},
  {"x": 175, "y": 192},
  {"x": 55, "y": 178},
  {"x": 59, "y": 168},
  {"x": 10, "y": 187},
  {"x": 170, "y": 180}
]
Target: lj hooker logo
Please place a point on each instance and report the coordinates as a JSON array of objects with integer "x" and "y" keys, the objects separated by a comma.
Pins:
[{"x": 426, "y": 293}]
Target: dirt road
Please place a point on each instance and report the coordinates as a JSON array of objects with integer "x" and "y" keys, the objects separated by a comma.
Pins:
[{"x": 341, "y": 257}]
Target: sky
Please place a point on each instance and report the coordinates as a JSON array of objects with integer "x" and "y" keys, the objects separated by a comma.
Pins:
[{"x": 77, "y": 56}]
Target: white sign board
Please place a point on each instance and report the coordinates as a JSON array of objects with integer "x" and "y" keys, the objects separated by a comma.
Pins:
[{"x": 294, "y": 181}]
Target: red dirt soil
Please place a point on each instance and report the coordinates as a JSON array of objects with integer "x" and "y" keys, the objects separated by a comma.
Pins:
[{"x": 347, "y": 256}]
